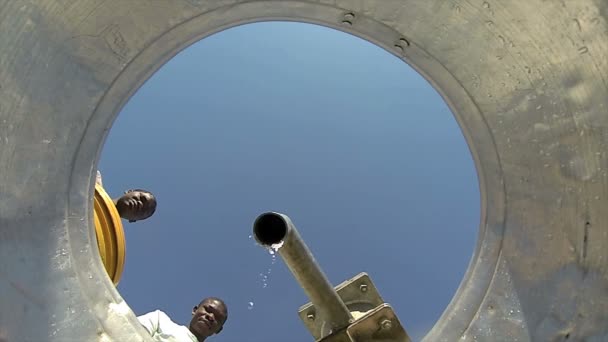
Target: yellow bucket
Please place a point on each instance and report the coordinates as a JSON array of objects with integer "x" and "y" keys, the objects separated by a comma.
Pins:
[{"x": 110, "y": 234}]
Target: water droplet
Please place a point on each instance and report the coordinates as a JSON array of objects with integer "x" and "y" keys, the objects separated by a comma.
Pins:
[
  {"x": 277, "y": 246},
  {"x": 250, "y": 305},
  {"x": 273, "y": 254},
  {"x": 489, "y": 23},
  {"x": 486, "y": 4},
  {"x": 250, "y": 236},
  {"x": 502, "y": 39},
  {"x": 583, "y": 49}
]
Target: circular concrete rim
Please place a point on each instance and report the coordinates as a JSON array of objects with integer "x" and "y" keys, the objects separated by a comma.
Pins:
[
  {"x": 469, "y": 296},
  {"x": 536, "y": 69}
]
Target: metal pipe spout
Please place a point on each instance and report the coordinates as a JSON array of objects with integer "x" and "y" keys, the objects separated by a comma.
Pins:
[{"x": 275, "y": 230}]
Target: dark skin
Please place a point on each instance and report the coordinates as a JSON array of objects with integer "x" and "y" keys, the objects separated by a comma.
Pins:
[
  {"x": 208, "y": 318},
  {"x": 136, "y": 205}
]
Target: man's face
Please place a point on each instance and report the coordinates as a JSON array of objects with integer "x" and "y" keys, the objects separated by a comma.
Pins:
[
  {"x": 208, "y": 318},
  {"x": 136, "y": 205}
]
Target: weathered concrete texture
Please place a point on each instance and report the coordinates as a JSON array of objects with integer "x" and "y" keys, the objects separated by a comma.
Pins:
[{"x": 527, "y": 81}]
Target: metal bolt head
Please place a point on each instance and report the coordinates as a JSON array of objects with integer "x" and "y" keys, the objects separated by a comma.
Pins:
[
  {"x": 349, "y": 16},
  {"x": 363, "y": 288},
  {"x": 311, "y": 316},
  {"x": 386, "y": 324}
]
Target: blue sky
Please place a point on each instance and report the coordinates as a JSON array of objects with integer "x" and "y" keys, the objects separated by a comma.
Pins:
[{"x": 348, "y": 140}]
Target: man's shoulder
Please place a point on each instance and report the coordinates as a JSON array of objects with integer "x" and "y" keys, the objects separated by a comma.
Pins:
[
  {"x": 165, "y": 322},
  {"x": 158, "y": 314},
  {"x": 164, "y": 329},
  {"x": 98, "y": 180}
]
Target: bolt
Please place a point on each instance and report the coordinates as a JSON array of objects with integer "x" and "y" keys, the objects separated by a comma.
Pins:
[
  {"x": 311, "y": 316},
  {"x": 363, "y": 288},
  {"x": 349, "y": 16},
  {"x": 386, "y": 324},
  {"x": 404, "y": 42}
]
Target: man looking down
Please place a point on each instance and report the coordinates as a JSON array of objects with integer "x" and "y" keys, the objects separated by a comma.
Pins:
[{"x": 208, "y": 318}]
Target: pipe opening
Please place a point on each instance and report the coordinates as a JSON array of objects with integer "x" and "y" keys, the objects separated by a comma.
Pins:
[{"x": 269, "y": 229}]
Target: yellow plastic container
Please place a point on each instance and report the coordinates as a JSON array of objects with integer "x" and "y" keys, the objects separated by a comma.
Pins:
[{"x": 110, "y": 234}]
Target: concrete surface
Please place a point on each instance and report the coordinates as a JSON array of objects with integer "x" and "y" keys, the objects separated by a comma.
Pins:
[{"x": 526, "y": 80}]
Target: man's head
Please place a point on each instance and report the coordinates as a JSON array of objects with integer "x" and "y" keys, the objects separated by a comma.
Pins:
[
  {"x": 136, "y": 205},
  {"x": 208, "y": 317}
]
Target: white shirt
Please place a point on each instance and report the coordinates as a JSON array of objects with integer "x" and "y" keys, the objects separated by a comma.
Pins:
[
  {"x": 163, "y": 329},
  {"x": 98, "y": 180}
]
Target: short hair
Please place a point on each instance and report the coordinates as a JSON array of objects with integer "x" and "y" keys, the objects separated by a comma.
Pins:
[
  {"x": 218, "y": 300},
  {"x": 152, "y": 201},
  {"x": 223, "y": 304}
]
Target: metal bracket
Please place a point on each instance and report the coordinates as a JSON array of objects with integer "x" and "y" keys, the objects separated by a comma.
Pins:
[
  {"x": 379, "y": 325},
  {"x": 363, "y": 300}
]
